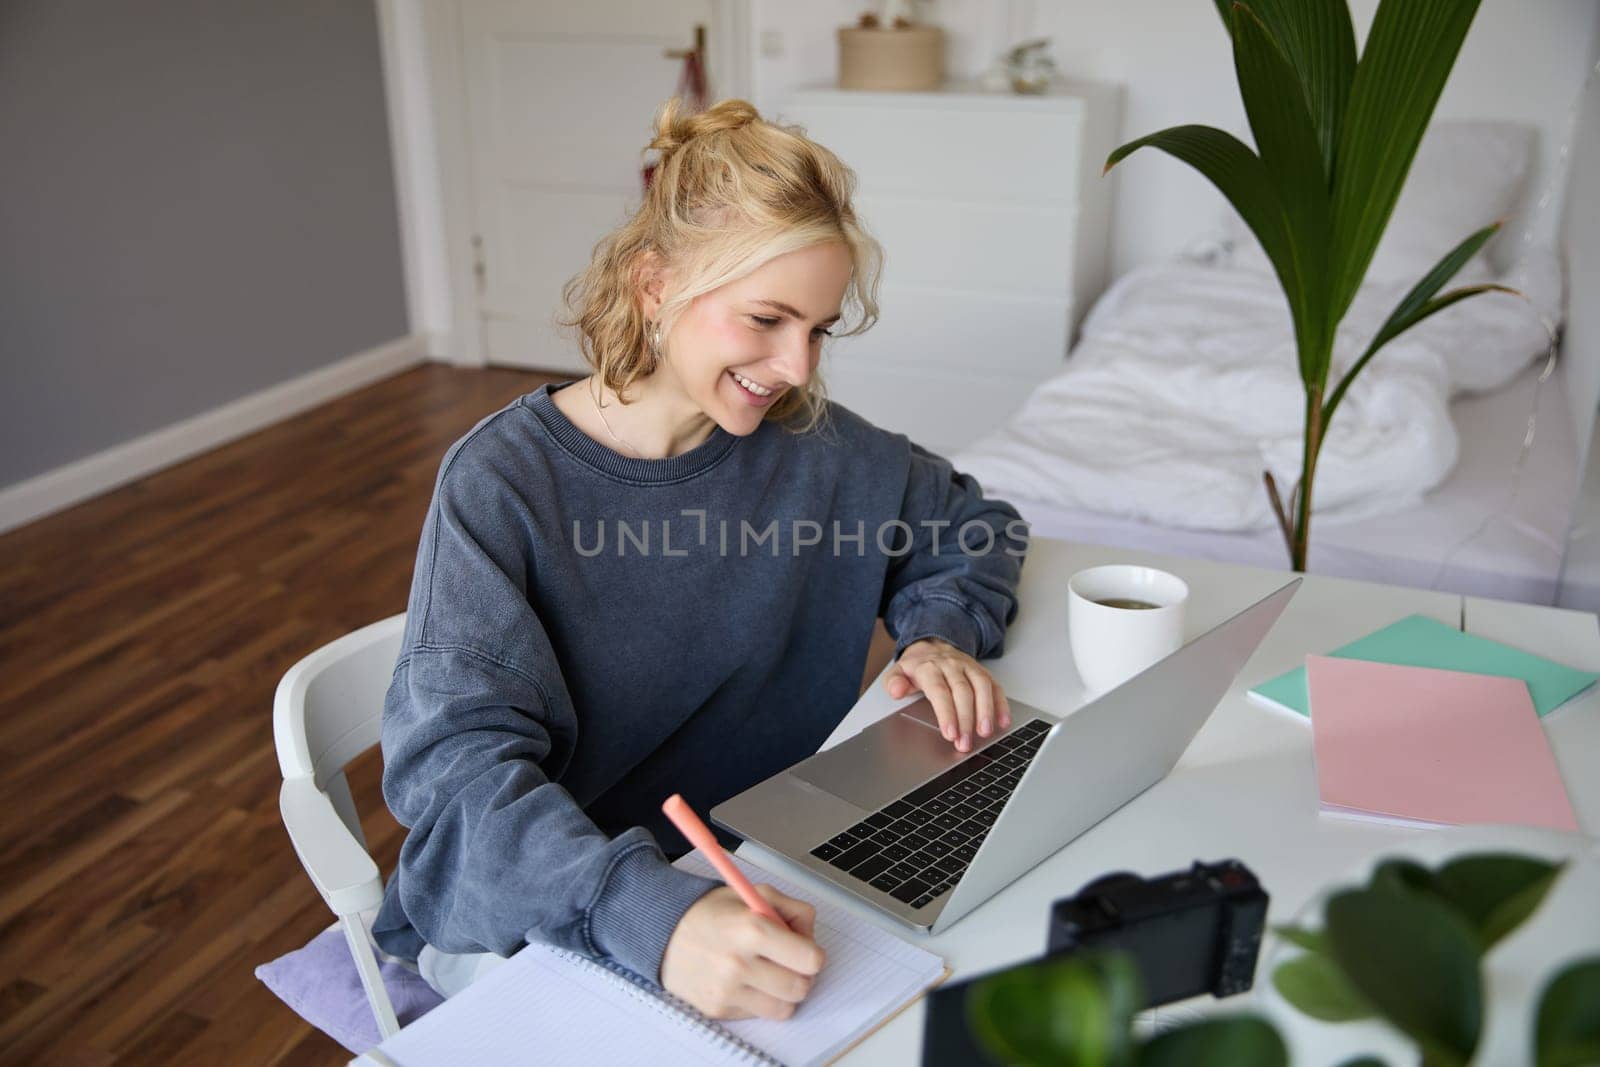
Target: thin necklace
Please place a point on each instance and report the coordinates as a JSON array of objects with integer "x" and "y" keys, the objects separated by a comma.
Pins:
[{"x": 598, "y": 410}]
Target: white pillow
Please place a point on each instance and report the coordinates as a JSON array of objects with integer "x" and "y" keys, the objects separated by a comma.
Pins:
[{"x": 1466, "y": 174}]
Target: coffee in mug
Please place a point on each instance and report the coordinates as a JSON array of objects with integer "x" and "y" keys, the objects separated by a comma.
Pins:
[{"x": 1122, "y": 618}]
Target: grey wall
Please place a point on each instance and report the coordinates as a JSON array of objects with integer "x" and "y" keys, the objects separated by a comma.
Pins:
[{"x": 196, "y": 202}]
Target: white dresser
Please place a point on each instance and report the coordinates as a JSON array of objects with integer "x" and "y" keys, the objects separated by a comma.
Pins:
[{"x": 994, "y": 220}]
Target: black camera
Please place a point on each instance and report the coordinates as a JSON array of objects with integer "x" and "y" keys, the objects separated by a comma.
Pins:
[{"x": 1189, "y": 932}]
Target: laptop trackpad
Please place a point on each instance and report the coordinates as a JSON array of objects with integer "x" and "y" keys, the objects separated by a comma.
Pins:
[{"x": 885, "y": 760}]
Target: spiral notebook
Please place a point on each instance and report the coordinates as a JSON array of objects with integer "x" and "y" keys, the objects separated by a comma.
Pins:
[{"x": 547, "y": 1005}]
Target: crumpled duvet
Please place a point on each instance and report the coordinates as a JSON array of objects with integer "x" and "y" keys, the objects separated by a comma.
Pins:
[{"x": 1184, "y": 387}]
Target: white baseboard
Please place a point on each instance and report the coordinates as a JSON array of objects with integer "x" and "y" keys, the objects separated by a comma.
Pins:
[
  {"x": 436, "y": 345},
  {"x": 116, "y": 466}
]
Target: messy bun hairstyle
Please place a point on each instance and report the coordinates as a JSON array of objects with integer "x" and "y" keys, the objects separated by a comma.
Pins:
[{"x": 730, "y": 193}]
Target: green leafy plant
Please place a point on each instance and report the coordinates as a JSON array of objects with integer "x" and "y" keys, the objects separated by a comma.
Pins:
[
  {"x": 1335, "y": 136},
  {"x": 1408, "y": 948},
  {"x": 1077, "y": 1011},
  {"x": 1567, "y": 1032}
]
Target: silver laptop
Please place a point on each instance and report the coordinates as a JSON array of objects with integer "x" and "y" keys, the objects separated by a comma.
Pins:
[{"x": 897, "y": 817}]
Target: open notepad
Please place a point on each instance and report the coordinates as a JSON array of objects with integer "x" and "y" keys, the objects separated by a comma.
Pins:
[{"x": 546, "y": 1005}]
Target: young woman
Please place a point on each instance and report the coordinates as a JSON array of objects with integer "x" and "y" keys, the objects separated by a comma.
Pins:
[{"x": 663, "y": 578}]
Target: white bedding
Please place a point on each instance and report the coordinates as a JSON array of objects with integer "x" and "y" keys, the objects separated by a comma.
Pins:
[
  {"x": 1183, "y": 389},
  {"x": 1490, "y": 529}
]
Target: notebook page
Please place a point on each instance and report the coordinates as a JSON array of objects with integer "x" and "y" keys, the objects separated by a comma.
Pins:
[
  {"x": 870, "y": 975},
  {"x": 545, "y": 1006}
]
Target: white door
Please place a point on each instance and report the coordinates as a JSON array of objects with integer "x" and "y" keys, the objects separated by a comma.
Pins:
[{"x": 560, "y": 98}]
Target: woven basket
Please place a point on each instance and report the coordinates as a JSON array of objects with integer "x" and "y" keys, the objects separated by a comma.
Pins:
[{"x": 908, "y": 60}]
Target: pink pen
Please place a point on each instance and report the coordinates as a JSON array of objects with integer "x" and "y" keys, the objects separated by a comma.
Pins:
[{"x": 701, "y": 837}]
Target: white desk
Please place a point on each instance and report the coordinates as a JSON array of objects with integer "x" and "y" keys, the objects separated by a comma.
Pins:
[
  {"x": 1574, "y": 728},
  {"x": 1246, "y": 787}
]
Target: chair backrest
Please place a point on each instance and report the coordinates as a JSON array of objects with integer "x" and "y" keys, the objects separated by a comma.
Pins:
[{"x": 328, "y": 708}]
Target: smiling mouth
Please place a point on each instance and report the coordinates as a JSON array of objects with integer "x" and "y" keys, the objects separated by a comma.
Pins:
[{"x": 754, "y": 388}]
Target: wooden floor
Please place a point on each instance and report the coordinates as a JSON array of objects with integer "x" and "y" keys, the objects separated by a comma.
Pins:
[{"x": 145, "y": 872}]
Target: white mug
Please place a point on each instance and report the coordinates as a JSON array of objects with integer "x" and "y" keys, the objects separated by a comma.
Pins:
[{"x": 1111, "y": 644}]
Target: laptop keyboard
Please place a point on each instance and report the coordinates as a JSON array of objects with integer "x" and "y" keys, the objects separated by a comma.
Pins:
[{"x": 917, "y": 847}]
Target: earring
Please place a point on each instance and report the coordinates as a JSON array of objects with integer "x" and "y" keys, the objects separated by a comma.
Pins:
[{"x": 655, "y": 341}]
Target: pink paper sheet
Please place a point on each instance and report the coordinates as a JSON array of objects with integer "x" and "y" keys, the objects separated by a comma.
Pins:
[{"x": 1430, "y": 746}]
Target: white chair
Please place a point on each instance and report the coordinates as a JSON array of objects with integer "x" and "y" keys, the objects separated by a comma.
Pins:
[{"x": 326, "y": 712}]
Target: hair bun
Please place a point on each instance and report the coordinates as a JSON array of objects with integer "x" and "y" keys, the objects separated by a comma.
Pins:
[{"x": 675, "y": 128}]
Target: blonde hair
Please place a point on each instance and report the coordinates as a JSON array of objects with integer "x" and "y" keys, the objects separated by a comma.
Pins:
[{"x": 730, "y": 193}]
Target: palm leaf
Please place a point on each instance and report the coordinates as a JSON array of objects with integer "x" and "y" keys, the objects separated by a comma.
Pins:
[
  {"x": 1320, "y": 44},
  {"x": 1419, "y": 304},
  {"x": 1241, "y": 177},
  {"x": 1408, "y": 55},
  {"x": 1287, "y": 141},
  {"x": 1238, "y": 174}
]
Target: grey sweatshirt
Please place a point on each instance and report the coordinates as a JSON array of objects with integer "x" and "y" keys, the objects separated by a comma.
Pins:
[{"x": 589, "y": 633}]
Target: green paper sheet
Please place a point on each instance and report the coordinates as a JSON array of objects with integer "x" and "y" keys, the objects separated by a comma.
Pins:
[{"x": 1418, "y": 641}]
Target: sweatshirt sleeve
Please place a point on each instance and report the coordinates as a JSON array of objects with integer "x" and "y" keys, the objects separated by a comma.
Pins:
[
  {"x": 477, "y": 724},
  {"x": 958, "y": 579}
]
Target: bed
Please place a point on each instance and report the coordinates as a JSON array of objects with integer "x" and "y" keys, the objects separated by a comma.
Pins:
[
  {"x": 1485, "y": 531},
  {"x": 1182, "y": 389}
]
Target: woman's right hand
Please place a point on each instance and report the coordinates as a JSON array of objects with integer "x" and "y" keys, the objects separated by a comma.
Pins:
[{"x": 731, "y": 963}]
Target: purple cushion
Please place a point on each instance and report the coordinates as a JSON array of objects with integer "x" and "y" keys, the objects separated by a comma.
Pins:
[{"x": 321, "y": 983}]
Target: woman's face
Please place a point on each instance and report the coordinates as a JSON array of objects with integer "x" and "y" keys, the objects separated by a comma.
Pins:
[{"x": 735, "y": 350}]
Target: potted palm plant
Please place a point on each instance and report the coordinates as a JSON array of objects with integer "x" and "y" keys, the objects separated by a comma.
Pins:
[{"x": 1335, "y": 136}]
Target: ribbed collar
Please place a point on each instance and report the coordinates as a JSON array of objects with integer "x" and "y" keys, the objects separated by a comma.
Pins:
[{"x": 585, "y": 449}]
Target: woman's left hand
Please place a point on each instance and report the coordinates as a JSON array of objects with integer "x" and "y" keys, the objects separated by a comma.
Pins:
[{"x": 964, "y": 696}]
